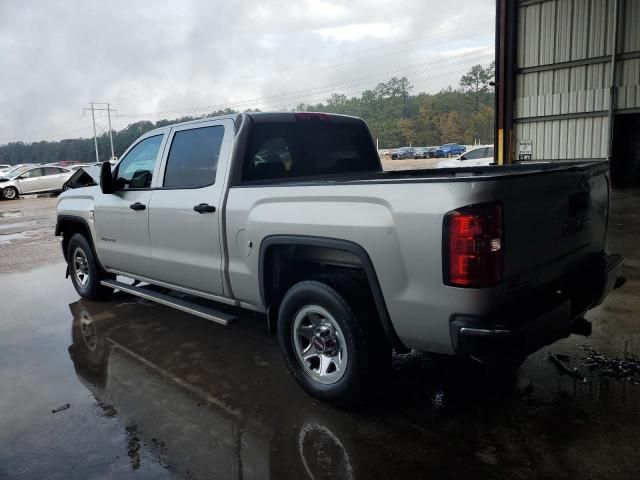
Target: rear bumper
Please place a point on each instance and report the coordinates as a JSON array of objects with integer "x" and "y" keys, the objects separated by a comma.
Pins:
[{"x": 538, "y": 320}]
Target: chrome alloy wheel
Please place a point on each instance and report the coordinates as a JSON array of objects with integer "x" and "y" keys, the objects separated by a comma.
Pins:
[
  {"x": 320, "y": 346},
  {"x": 80, "y": 267},
  {"x": 9, "y": 193},
  {"x": 88, "y": 330}
]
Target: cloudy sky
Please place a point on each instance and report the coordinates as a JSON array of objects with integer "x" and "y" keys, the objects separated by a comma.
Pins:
[{"x": 163, "y": 59}]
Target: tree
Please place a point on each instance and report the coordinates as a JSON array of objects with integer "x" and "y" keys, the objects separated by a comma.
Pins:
[
  {"x": 395, "y": 116},
  {"x": 476, "y": 81},
  {"x": 337, "y": 100},
  {"x": 450, "y": 124}
]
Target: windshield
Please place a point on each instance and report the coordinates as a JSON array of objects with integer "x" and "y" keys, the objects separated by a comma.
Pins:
[{"x": 14, "y": 172}]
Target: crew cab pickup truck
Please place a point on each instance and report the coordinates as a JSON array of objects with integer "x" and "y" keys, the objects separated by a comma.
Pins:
[{"x": 291, "y": 215}]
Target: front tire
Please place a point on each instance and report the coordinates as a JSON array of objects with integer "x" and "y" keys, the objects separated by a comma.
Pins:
[
  {"x": 10, "y": 193},
  {"x": 330, "y": 346},
  {"x": 84, "y": 270}
]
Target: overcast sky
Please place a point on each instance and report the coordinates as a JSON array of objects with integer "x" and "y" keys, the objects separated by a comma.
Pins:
[{"x": 163, "y": 59}]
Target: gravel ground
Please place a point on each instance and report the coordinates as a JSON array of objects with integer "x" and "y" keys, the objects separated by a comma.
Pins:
[
  {"x": 26, "y": 234},
  {"x": 389, "y": 164}
]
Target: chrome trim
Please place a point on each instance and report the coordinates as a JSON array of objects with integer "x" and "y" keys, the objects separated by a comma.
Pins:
[
  {"x": 196, "y": 293},
  {"x": 177, "y": 303},
  {"x": 484, "y": 331}
]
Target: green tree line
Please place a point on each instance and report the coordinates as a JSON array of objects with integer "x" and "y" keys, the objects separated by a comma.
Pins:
[{"x": 395, "y": 115}]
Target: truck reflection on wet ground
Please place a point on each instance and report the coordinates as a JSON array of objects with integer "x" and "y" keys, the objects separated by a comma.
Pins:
[
  {"x": 225, "y": 392},
  {"x": 155, "y": 393}
]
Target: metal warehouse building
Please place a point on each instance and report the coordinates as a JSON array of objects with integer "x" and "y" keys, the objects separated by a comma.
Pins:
[{"x": 569, "y": 82}]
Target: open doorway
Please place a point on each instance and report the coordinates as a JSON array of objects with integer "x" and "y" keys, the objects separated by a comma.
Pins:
[{"x": 625, "y": 161}]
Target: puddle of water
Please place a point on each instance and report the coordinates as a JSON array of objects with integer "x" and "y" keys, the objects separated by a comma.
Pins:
[
  {"x": 11, "y": 214},
  {"x": 8, "y": 238},
  {"x": 18, "y": 224}
]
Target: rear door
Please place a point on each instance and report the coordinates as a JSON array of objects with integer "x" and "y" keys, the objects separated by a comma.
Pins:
[
  {"x": 54, "y": 177},
  {"x": 122, "y": 218},
  {"x": 184, "y": 214}
]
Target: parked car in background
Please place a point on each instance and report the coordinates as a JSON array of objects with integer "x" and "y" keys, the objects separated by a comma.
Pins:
[
  {"x": 421, "y": 152},
  {"x": 26, "y": 180},
  {"x": 450, "y": 150},
  {"x": 403, "y": 153},
  {"x": 476, "y": 157},
  {"x": 431, "y": 152},
  {"x": 4, "y": 167},
  {"x": 11, "y": 172},
  {"x": 75, "y": 168}
]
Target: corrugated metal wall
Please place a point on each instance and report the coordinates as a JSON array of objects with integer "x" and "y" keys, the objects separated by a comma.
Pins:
[{"x": 563, "y": 77}]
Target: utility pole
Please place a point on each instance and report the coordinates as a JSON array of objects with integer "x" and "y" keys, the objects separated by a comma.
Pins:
[
  {"x": 94, "y": 109},
  {"x": 110, "y": 134},
  {"x": 95, "y": 137}
]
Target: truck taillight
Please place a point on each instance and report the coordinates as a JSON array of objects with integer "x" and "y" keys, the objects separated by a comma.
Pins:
[{"x": 473, "y": 249}]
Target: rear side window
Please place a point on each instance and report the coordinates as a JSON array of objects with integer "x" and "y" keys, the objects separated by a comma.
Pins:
[
  {"x": 193, "y": 157},
  {"x": 54, "y": 171},
  {"x": 308, "y": 148}
]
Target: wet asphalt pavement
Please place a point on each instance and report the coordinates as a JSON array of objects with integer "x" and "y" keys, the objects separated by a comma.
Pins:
[{"x": 157, "y": 393}]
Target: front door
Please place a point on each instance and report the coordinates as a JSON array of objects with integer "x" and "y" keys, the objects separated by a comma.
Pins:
[
  {"x": 122, "y": 218},
  {"x": 184, "y": 221},
  {"x": 32, "y": 181}
]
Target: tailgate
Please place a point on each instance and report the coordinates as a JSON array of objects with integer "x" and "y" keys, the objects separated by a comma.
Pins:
[{"x": 553, "y": 219}]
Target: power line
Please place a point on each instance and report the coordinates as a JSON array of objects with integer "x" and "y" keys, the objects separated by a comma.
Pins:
[
  {"x": 450, "y": 72},
  {"x": 421, "y": 67},
  {"x": 291, "y": 97},
  {"x": 329, "y": 63}
]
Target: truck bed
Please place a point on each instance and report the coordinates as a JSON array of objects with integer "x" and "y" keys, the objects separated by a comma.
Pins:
[{"x": 463, "y": 174}]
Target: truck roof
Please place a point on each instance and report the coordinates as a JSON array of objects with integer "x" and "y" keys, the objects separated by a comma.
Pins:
[{"x": 264, "y": 117}]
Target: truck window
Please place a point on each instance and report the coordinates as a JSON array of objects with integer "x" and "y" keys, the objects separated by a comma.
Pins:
[
  {"x": 135, "y": 170},
  {"x": 193, "y": 157},
  {"x": 308, "y": 148}
]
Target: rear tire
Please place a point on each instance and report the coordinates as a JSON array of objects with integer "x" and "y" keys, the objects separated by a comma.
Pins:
[
  {"x": 10, "y": 193},
  {"x": 84, "y": 270},
  {"x": 331, "y": 346}
]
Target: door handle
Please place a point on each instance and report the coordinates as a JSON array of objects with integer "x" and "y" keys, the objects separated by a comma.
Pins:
[
  {"x": 204, "y": 208},
  {"x": 137, "y": 206}
]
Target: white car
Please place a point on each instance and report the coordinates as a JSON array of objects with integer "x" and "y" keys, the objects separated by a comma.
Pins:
[
  {"x": 75, "y": 168},
  {"x": 4, "y": 167},
  {"x": 480, "y": 156},
  {"x": 26, "y": 180}
]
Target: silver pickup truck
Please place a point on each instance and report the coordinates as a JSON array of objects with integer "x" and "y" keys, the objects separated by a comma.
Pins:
[{"x": 291, "y": 215}]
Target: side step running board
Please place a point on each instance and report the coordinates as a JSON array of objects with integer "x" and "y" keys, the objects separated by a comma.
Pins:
[{"x": 178, "y": 303}]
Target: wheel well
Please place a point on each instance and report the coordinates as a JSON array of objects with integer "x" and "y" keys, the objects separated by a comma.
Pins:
[
  {"x": 68, "y": 228},
  {"x": 283, "y": 265}
]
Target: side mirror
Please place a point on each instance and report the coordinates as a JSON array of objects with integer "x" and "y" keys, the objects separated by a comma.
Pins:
[{"x": 107, "y": 184}]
